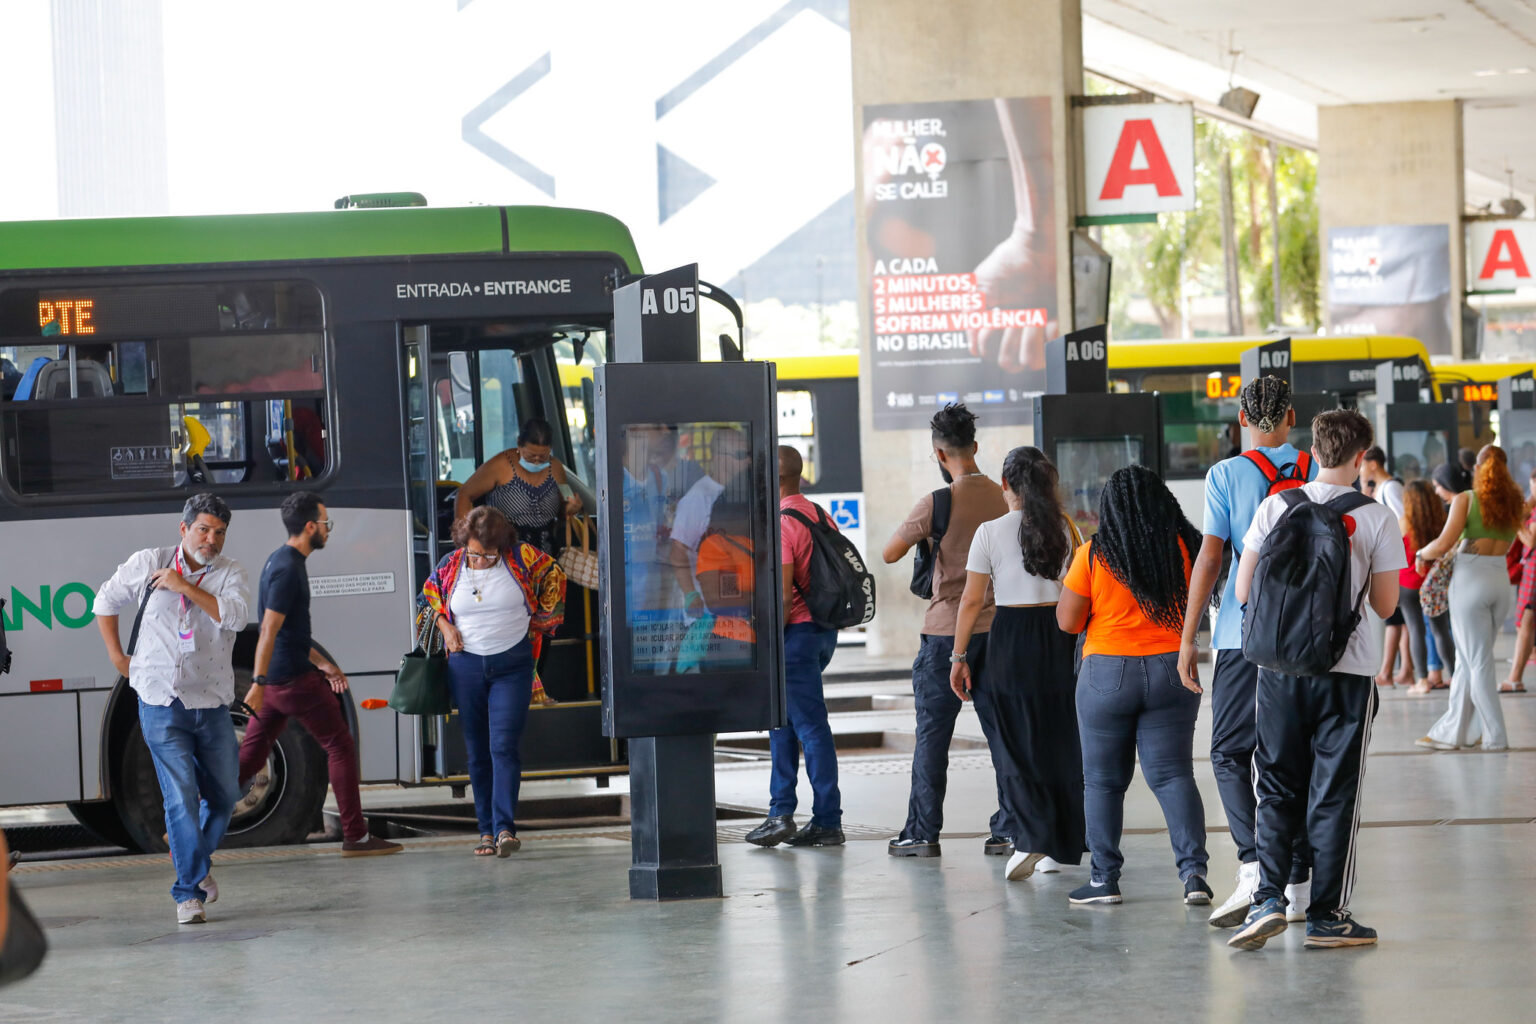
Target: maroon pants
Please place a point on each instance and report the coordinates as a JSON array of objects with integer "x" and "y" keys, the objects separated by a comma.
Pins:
[{"x": 309, "y": 699}]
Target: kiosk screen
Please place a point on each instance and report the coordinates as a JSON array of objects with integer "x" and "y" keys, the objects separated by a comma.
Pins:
[
  {"x": 1416, "y": 453},
  {"x": 688, "y": 551},
  {"x": 1085, "y": 466}
]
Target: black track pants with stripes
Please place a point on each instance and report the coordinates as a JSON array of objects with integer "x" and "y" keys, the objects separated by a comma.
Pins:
[{"x": 1309, "y": 765}]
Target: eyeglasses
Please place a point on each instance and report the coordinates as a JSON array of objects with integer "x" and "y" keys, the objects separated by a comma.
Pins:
[
  {"x": 483, "y": 556},
  {"x": 329, "y": 524}
]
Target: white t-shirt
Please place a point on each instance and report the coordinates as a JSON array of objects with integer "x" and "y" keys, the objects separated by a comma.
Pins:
[
  {"x": 1376, "y": 545},
  {"x": 693, "y": 511},
  {"x": 995, "y": 551},
  {"x": 498, "y": 621},
  {"x": 1390, "y": 494}
]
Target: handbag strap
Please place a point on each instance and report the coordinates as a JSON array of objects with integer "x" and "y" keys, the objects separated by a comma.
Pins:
[{"x": 138, "y": 619}]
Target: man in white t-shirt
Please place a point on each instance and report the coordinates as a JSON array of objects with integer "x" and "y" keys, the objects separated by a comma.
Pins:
[
  {"x": 1313, "y": 730},
  {"x": 1385, "y": 487}
]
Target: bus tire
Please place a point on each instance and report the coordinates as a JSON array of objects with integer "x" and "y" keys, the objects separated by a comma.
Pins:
[{"x": 280, "y": 808}]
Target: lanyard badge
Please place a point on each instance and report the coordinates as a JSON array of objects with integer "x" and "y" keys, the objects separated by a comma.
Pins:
[{"x": 186, "y": 643}]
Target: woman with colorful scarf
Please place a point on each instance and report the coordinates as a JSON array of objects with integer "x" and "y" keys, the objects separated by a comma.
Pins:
[{"x": 496, "y": 598}]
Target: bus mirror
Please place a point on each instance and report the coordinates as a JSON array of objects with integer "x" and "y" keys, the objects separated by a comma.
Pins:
[{"x": 578, "y": 346}]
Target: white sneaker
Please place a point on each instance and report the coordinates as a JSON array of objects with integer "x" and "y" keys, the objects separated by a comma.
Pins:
[
  {"x": 1233, "y": 912},
  {"x": 209, "y": 886},
  {"x": 1298, "y": 897},
  {"x": 1021, "y": 865},
  {"x": 1048, "y": 866},
  {"x": 190, "y": 912}
]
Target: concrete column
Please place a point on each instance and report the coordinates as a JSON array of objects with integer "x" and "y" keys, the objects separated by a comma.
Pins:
[
  {"x": 1394, "y": 163},
  {"x": 917, "y": 50}
]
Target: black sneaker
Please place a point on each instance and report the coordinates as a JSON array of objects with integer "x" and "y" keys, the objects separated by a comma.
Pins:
[
  {"x": 1095, "y": 892},
  {"x": 997, "y": 846},
  {"x": 913, "y": 848},
  {"x": 816, "y": 835},
  {"x": 1196, "y": 892},
  {"x": 773, "y": 831}
]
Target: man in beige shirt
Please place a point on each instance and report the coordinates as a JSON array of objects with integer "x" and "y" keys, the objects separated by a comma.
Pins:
[{"x": 972, "y": 498}]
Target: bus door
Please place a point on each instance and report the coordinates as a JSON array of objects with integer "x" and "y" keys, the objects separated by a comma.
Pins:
[{"x": 469, "y": 389}]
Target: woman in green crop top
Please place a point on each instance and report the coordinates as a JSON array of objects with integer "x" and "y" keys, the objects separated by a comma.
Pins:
[{"x": 1484, "y": 520}]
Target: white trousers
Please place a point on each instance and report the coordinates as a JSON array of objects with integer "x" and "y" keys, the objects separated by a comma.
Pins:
[{"x": 1480, "y": 599}]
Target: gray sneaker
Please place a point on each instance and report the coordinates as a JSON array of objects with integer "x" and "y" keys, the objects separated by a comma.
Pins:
[
  {"x": 209, "y": 886},
  {"x": 190, "y": 912}
]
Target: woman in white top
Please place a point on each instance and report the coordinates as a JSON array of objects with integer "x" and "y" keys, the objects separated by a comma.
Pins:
[
  {"x": 495, "y": 599},
  {"x": 1026, "y": 684}
]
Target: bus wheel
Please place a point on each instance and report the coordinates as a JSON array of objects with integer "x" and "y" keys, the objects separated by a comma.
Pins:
[{"x": 282, "y": 806}]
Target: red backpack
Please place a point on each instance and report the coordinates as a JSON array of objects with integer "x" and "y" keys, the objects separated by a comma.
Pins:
[{"x": 1283, "y": 478}]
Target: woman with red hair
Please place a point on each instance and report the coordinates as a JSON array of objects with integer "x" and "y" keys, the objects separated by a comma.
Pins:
[{"x": 1485, "y": 520}]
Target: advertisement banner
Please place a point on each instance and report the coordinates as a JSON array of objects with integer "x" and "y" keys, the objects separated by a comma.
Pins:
[
  {"x": 962, "y": 249},
  {"x": 1139, "y": 158},
  {"x": 1392, "y": 279},
  {"x": 1500, "y": 255}
]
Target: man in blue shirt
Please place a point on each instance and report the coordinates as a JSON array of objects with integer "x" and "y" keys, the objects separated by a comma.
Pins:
[{"x": 1234, "y": 489}]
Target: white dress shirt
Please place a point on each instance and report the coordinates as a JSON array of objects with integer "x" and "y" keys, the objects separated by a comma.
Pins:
[{"x": 160, "y": 672}]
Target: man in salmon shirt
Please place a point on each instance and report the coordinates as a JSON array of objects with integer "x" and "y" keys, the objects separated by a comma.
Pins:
[{"x": 807, "y": 650}]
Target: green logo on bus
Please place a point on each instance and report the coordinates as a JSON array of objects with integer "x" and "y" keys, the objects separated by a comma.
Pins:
[{"x": 51, "y": 606}]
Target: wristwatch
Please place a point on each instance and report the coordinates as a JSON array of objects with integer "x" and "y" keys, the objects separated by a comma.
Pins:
[{"x": 258, "y": 680}]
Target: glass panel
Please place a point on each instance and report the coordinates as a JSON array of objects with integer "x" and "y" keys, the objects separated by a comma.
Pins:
[
  {"x": 688, "y": 549},
  {"x": 236, "y": 364},
  {"x": 797, "y": 428},
  {"x": 576, "y": 388},
  {"x": 1416, "y": 453},
  {"x": 1086, "y": 464}
]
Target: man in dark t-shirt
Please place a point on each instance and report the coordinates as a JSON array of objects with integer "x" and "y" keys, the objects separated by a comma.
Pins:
[{"x": 295, "y": 680}]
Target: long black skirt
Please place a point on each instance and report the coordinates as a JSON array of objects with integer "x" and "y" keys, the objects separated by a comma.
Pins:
[{"x": 1028, "y": 684}]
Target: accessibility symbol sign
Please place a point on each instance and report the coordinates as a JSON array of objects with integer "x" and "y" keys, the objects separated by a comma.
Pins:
[{"x": 845, "y": 513}]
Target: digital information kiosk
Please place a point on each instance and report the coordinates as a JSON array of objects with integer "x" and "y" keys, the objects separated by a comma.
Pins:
[
  {"x": 1088, "y": 432},
  {"x": 1417, "y": 436},
  {"x": 1517, "y": 422},
  {"x": 690, "y": 565}
]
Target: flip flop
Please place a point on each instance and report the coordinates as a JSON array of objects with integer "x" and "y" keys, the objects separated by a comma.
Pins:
[{"x": 1508, "y": 688}]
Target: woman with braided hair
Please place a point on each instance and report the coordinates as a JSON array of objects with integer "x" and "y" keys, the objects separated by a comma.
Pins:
[
  {"x": 1128, "y": 588},
  {"x": 1026, "y": 683}
]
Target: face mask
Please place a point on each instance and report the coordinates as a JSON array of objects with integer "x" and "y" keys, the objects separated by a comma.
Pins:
[{"x": 533, "y": 467}]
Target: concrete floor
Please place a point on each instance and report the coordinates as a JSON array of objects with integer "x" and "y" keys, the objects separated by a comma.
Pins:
[{"x": 1447, "y": 876}]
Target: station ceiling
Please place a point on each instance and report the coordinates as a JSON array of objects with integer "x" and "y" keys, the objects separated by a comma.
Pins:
[{"x": 1330, "y": 52}]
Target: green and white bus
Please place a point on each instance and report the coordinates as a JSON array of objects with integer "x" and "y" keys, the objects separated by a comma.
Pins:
[{"x": 376, "y": 356}]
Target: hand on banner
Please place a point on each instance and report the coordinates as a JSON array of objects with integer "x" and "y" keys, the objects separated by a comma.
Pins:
[{"x": 1009, "y": 276}]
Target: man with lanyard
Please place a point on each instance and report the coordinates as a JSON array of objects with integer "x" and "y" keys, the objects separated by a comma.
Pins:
[
  {"x": 1234, "y": 489},
  {"x": 191, "y": 603}
]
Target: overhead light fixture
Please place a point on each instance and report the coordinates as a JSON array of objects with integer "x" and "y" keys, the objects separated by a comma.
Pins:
[
  {"x": 1518, "y": 71},
  {"x": 1485, "y": 73},
  {"x": 1240, "y": 101},
  {"x": 1512, "y": 207}
]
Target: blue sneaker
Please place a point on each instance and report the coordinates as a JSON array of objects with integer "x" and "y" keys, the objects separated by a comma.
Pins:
[
  {"x": 1263, "y": 920},
  {"x": 1338, "y": 930},
  {"x": 1095, "y": 892}
]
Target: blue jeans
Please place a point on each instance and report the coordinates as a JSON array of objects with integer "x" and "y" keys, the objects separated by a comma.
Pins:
[
  {"x": 807, "y": 650},
  {"x": 1127, "y": 705},
  {"x": 937, "y": 709},
  {"x": 493, "y": 691},
  {"x": 198, "y": 763}
]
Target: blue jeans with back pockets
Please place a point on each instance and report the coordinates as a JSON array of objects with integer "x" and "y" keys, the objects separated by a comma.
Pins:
[
  {"x": 807, "y": 650},
  {"x": 1131, "y": 705},
  {"x": 198, "y": 763}
]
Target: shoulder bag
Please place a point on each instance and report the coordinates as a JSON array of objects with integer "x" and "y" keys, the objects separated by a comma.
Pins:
[
  {"x": 579, "y": 563},
  {"x": 1435, "y": 592},
  {"x": 926, "y": 555},
  {"x": 421, "y": 681}
]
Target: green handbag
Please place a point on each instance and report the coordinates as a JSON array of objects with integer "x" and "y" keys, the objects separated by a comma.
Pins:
[{"x": 421, "y": 681}]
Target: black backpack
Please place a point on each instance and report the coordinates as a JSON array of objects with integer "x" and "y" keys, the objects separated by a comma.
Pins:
[
  {"x": 1301, "y": 611},
  {"x": 927, "y": 551},
  {"x": 840, "y": 591}
]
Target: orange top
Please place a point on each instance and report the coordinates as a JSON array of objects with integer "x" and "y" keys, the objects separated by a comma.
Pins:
[
  {"x": 1116, "y": 623},
  {"x": 731, "y": 557}
]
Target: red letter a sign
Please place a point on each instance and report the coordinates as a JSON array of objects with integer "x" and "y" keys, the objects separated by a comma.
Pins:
[
  {"x": 1158, "y": 172},
  {"x": 1504, "y": 254}
]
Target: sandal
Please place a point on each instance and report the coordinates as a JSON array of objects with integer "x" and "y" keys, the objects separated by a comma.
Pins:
[
  {"x": 507, "y": 844},
  {"x": 1511, "y": 687},
  {"x": 487, "y": 848}
]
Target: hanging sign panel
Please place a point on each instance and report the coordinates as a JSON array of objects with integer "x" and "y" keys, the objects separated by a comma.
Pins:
[
  {"x": 1501, "y": 255},
  {"x": 962, "y": 250},
  {"x": 1139, "y": 158}
]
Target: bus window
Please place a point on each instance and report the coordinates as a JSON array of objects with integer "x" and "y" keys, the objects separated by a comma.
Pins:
[
  {"x": 580, "y": 398},
  {"x": 161, "y": 389},
  {"x": 797, "y": 428}
]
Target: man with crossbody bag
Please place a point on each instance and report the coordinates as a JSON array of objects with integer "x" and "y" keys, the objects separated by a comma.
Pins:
[
  {"x": 191, "y": 602},
  {"x": 974, "y": 499}
]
